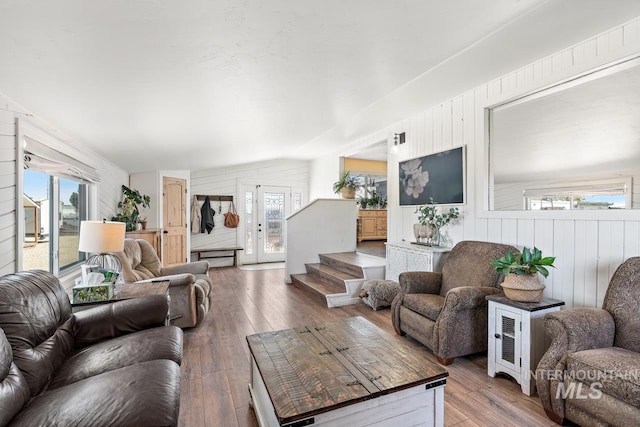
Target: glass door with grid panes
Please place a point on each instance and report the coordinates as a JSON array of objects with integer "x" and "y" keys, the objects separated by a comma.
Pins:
[{"x": 266, "y": 208}]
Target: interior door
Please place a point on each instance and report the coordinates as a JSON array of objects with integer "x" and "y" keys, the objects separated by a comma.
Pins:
[{"x": 174, "y": 222}]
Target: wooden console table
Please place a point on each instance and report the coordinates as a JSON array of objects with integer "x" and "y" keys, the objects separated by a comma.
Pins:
[
  {"x": 151, "y": 235},
  {"x": 345, "y": 372}
]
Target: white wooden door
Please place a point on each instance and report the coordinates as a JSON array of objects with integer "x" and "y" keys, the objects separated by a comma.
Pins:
[
  {"x": 266, "y": 208},
  {"x": 274, "y": 205},
  {"x": 174, "y": 215}
]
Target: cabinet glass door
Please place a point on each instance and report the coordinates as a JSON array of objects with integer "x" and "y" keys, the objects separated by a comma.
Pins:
[{"x": 508, "y": 341}]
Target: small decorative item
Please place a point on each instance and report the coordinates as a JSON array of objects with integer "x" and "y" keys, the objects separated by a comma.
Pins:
[
  {"x": 422, "y": 233},
  {"x": 428, "y": 216},
  {"x": 521, "y": 281},
  {"x": 143, "y": 223},
  {"x": 346, "y": 186}
]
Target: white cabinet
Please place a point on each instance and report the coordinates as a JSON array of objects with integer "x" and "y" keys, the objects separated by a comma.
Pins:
[
  {"x": 404, "y": 256},
  {"x": 517, "y": 340}
]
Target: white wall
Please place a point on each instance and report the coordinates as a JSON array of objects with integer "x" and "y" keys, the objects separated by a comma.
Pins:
[
  {"x": 225, "y": 181},
  {"x": 588, "y": 246},
  {"x": 107, "y": 193}
]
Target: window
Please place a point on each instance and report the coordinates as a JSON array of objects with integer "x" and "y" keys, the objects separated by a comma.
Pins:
[
  {"x": 55, "y": 200},
  {"x": 47, "y": 197},
  {"x": 592, "y": 194}
]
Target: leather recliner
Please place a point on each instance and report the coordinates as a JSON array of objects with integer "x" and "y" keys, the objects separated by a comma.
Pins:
[
  {"x": 189, "y": 283},
  {"x": 112, "y": 364}
]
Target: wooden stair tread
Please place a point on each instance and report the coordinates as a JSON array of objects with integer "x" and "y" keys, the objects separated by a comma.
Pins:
[
  {"x": 317, "y": 285},
  {"x": 327, "y": 270},
  {"x": 357, "y": 258}
]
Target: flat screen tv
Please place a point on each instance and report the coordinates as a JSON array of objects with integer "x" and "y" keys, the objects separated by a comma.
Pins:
[{"x": 438, "y": 176}]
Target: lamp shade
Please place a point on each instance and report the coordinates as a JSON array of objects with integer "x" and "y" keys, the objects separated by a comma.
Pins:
[{"x": 100, "y": 237}]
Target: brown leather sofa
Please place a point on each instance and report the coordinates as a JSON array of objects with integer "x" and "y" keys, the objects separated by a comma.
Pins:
[
  {"x": 447, "y": 311},
  {"x": 110, "y": 365},
  {"x": 590, "y": 375},
  {"x": 189, "y": 287}
]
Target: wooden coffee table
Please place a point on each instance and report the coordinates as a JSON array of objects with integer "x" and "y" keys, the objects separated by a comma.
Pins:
[{"x": 343, "y": 373}]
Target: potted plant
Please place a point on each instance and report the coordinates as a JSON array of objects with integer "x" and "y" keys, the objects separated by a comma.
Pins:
[
  {"x": 430, "y": 223},
  {"x": 129, "y": 211},
  {"x": 373, "y": 201},
  {"x": 521, "y": 281},
  {"x": 363, "y": 201},
  {"x": 346, "y": 186},
  {"x": 143, "y": 223}
]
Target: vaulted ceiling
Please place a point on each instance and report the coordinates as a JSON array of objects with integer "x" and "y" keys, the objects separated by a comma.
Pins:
[{"x": 194, "y": 84}]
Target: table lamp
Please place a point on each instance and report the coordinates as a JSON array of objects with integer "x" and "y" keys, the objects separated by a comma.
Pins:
[{"x": 101, "y": 238}]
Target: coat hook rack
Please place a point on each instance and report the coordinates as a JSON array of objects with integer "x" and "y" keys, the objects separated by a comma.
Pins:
[{"x": 214, "y": 198}]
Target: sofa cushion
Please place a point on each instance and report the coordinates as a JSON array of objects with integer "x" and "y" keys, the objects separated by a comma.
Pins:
[
  {"x": 146, "y": 394},
  {"x": 139, "y": 261},
  {"x": 621, "y": 300},
  {"x": 14, "y": 391},
  {"x": 163, "y": 342},
  {"x": 616, "y": 369},
  {"x": 458, "y": 271},
  {"x": 428, "y": 305},
  {"x": 35, "y": 314}
]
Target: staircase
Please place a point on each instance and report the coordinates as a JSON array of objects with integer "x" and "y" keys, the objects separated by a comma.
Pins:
[{"x": 338, "y": 278}]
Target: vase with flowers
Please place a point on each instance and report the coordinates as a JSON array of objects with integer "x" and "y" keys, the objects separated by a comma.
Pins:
[{"x": 434, "y": 218}]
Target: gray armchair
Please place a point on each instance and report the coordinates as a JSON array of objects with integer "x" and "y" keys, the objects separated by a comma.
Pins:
[
  {"x": 189, "y": 283},
  {"x": 590, "y": 374},
  {"x": 447, "y": 311}
]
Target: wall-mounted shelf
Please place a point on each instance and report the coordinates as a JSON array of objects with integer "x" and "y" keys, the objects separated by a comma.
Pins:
[{"x": 215, "y": 198}]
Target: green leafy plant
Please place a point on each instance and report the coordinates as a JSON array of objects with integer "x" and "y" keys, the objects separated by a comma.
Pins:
[
  {"x": 129, "y": 211},
  {"x": 346, "y": 181},
  {"x": 527, "y": 262},
  {"x": 428, "y": 215}
]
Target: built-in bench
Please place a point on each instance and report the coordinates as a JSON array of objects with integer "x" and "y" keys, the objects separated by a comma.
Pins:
[{"x": 210, "y": 253}]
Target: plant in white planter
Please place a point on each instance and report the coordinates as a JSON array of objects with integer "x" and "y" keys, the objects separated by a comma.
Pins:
[{"x": 521, "y": 281}]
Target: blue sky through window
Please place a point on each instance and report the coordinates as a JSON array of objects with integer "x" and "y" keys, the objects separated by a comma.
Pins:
[{"x": 36, "y": 186}]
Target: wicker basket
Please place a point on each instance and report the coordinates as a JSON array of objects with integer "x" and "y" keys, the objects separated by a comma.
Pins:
[{"x": 523, "y": 287}]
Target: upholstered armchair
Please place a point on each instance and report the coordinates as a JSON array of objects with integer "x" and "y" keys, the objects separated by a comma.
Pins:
[
  {"x": 590, "y": 374},
  {"x": 447, "y": 311},
  {"x": 189, "y": 283}
]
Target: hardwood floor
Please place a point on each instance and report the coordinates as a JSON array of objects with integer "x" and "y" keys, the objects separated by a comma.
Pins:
[{"x": 215, "y": 369}]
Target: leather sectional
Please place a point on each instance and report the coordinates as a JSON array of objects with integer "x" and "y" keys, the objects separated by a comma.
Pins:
[{"x": 111, "y": 365}]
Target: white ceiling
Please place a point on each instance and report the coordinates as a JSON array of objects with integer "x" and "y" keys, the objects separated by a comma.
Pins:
[{"x": 165, "y": 84}]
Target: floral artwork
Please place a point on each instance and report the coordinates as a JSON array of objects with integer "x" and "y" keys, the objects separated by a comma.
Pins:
[
  {"x": 414, "y": 179},
  {"x": 437, "y": 178}
]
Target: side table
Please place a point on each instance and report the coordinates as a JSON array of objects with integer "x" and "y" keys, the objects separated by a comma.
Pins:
[
  {"x": 127, "y": 291},
  {"x": 517, "y": 340}
]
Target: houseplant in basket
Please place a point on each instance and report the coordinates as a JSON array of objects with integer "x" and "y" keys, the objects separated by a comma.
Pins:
[
  {"x": 346, "y": 186},
  {"x": 521, "y": 281}
]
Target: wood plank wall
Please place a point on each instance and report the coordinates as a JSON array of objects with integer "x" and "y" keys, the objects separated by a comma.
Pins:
[
  {"x": 588, "y": 248},
  {"x": 224, "y": 181},
  {"x": 108, "y": 191},
  {"x": 7, "y": 192}
]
